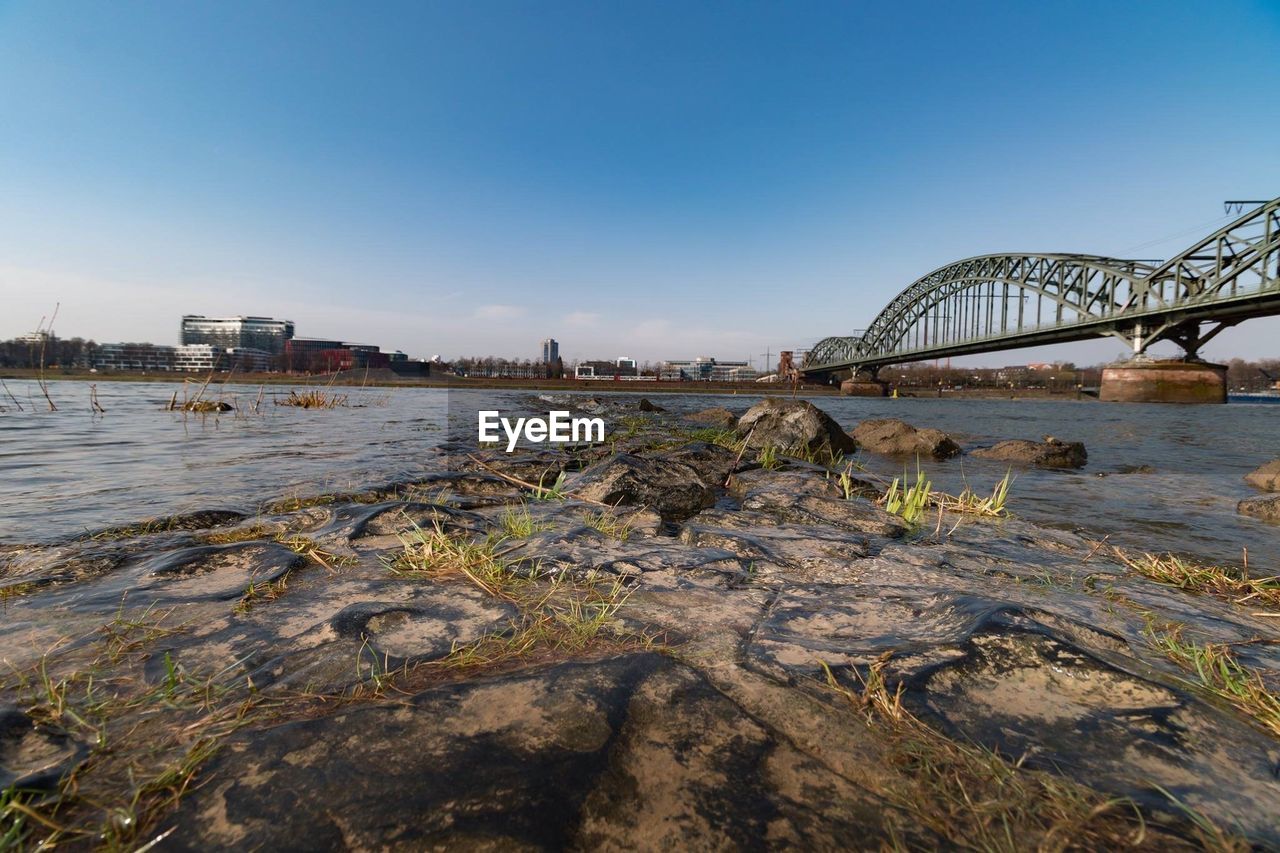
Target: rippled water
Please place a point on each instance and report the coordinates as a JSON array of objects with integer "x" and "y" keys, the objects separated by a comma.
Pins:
[
  {"x": 1198, "y": 456},
  {"x": 64, "y": 472}
]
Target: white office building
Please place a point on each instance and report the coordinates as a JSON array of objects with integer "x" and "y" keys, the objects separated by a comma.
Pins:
[{"x": 704, "y": 368}]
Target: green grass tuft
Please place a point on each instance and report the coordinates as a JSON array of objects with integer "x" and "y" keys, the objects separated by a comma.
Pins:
[
  {"x": 908, "y": 503},
  {"x": 518, "y": 523},
  {"x": 608, "y": 524},
  {"x": 554, "y": 492}
]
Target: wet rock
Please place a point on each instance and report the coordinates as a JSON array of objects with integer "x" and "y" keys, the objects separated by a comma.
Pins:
[
  {"x": 1063, "y": 708},
  {"x": 807, "y": 624},
  {"x": 427, "y": 627},
  {"x": 468, "y": 483},
  {"x": 672, "y": 488},
  {"x": 1266, "y": 507},
  {"x": 775, "y": 550},
  {"x": 998, "y": 633},
  {"x": 200, "y": 520},
  {"x": 807, "y": 497},
  {"x": 34, "y": 757},
  {"x": 793, "y": 425},
  {"x": 1265, "y": 477},
  {"x": 1048, "y": 685},
  {"x": 397, "y": 517},
  {"x": 216, "y": 571},
  {"x": 1050, "y": 453},
  {"x": 585, "y": 551},
  {"x": 858, "y": 514},
  {"x": 712, "y": 462},
  {"x": 542, "y": 466},
  {"x": 797, "y": 482},
  {"x": 893, "y": 437},
  {"x": 717, "y": 417},
  {"x": 646, "y": 406},
  {"x": 633, "y": 751}
]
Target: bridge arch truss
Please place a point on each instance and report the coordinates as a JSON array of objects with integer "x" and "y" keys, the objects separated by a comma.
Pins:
[{"x": 995, "y": 302}]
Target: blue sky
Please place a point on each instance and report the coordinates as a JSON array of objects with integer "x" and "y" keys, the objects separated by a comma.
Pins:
[{"x": 652, "y": 179}]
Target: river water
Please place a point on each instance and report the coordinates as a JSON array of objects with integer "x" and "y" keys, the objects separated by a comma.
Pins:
[{"x": 65, "y": 472}]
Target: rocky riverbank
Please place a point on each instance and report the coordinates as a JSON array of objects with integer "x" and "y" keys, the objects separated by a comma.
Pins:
[{"x": 703, "y": 634}]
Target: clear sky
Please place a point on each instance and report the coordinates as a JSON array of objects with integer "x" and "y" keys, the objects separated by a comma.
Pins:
[{"x": 633, "y": 177}]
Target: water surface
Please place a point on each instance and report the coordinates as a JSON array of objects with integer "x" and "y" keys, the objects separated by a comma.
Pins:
[{"x": 66, "y": 472}]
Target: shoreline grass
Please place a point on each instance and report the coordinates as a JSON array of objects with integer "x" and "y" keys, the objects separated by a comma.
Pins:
[
  {"x": 981, "y": 800},
  {"x": 559, "y": 615},
  {"x": 608, "y": 524},
  {"x": 910, "y": 500},
  {"x": 146, "y": 739},
  {"x": 1220, "y": 582},
  {"x": 518, "y": 523},
  {"x": 1220, "y": 673}
]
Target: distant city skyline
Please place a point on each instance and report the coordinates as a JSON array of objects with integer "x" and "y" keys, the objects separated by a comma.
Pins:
[
  {"x": 766, "y": 361},
  {"x": 660, "y": 180}
]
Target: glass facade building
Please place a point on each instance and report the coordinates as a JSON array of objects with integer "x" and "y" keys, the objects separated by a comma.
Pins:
[{"x": 258, "y": 333}]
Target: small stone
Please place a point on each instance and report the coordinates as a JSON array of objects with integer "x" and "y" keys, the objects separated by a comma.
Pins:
[
  {"x": 1266, "y": 507},
  {"x": 1265, "y": 477},
  {"x": 718, "y": 417},
  {"x": 1047, "y": 454},
  {"x": 893, "y": 437}
]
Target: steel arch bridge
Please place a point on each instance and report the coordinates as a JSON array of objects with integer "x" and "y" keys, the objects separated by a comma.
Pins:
[{"x": 996, "y": 302}]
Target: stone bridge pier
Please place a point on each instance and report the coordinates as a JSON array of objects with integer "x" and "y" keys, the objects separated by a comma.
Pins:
[
  {"x": 1184, "y": 380},
  {"x": 1174, "y": 381},
  {"x": 864, "y": 383}
]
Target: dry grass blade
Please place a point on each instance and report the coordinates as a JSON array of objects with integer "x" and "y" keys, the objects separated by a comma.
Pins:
[
  {"x": 433, "y": 553},
  {"x": 519, "y": 523},
  {"x": 1212, "y": 580},
  {"x": 609, "y": 524},
  {"x": 313, "y": 399},
  {"x": 980, "y": 800},
  {"x": 536, "y": 488},
  {"x": 1218, "y": 671}
]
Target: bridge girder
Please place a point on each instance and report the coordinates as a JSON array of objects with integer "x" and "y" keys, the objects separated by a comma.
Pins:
[{"x": 994, "y": 302}]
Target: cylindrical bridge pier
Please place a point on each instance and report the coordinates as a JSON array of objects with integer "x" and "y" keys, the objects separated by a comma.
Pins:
[
  {"x": 1146, "y": 381},
  {"x": 864, "y": 387}
]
